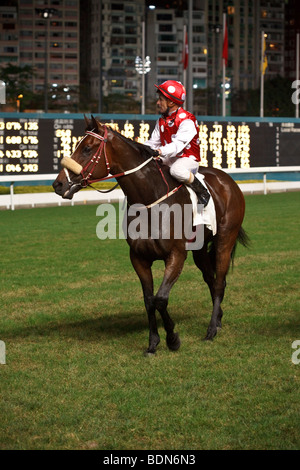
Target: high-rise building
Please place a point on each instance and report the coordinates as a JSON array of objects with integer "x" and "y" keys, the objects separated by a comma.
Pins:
[
  {"x": 165, "y": 43},
  {"x": 272, "y": 22},
  {"x": 9, "y": 34},
  {"x": 94, "y": 43},
  {"x": 246, "y": 20},
  {"x": 45, "y": 35},
  {"x": 117, "y": 27},
  {"x": 292, "y": 28},
  {"x": 243, "y": 42}
]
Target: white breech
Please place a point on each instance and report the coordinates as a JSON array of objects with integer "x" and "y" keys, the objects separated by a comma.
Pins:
[{"x": 184, "y": 169}]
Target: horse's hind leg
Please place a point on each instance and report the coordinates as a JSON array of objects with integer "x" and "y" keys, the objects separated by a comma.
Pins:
[
  {"x": 204, "y": 261},
  {"x": 224, "y": 246},
  {"x": 173, "y": 268},
  {"x": 143, "y": 270}
]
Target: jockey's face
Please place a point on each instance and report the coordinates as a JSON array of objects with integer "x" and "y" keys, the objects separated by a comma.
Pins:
[{"x": 164, "y": 105}]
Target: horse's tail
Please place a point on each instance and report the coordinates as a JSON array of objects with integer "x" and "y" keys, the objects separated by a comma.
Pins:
[{"x": 243, "y": 239}]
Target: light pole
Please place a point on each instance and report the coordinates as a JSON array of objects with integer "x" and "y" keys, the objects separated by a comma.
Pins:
[
  {"x": 46, "y": 14},
  {"x": 143, "y": 66}
]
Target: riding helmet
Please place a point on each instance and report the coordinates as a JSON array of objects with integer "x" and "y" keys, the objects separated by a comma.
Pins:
[{"x": 173, "y": 90}]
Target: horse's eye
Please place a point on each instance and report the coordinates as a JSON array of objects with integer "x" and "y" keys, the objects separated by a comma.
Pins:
[{"x": 87, "y": 149}]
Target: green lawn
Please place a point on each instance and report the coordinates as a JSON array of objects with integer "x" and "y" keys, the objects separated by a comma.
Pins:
[{"x": 75, "y": 328}]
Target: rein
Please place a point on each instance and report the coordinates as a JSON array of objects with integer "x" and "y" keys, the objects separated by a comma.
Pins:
[{"x": 69, "y": 164}]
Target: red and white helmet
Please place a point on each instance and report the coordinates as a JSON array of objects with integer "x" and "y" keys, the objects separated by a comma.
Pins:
[{"x": 173, "y": 90}]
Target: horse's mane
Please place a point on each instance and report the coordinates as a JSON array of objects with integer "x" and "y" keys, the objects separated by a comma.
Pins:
[{"x": 145, "y": 151}]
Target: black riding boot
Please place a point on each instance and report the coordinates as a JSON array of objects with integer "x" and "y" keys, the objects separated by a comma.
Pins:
[{"x": 201, "y": 191}]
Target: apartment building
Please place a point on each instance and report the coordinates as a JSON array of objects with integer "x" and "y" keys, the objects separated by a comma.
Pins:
[
  {"x": 272, "y": 22},
  {"x": 46, "y": 35},
  {"x": 117, "y": 26},
  {"x": 246, "y": 19},
  {"x": 9, "y": 34},
  {"x": 95, "y": 42},
  {"x": 165, "y": 44},
  {"x": 292, "y": 28}
]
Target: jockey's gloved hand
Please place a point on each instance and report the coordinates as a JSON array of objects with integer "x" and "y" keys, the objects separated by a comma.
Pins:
[{"x": 153, "y": 152}]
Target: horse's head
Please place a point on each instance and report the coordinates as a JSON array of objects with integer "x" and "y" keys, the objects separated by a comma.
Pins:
[{"x": 89, "y": 161}]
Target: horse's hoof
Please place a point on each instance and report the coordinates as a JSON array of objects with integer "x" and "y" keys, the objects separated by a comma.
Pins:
[
  {"x": 211, "y": 333},
  {"x": 149, "y": 353},
  {"x": 173, "y": 341}
]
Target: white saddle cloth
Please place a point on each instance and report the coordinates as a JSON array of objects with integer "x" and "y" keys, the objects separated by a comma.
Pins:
[{"x": 207, "y": 215}]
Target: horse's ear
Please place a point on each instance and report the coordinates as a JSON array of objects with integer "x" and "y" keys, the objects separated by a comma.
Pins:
[
  {"x": 87, "y": 121},
  {"x": 94, "y": 122}
]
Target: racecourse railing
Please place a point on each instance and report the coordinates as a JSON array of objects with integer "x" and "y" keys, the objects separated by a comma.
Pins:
[{"x": 264, "y": 171}]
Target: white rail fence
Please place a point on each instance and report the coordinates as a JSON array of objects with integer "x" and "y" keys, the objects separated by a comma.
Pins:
[{"x": 84, "y": 197}]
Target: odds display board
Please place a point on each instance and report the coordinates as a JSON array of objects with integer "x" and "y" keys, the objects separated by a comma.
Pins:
[{"x": 33, "y": 145}]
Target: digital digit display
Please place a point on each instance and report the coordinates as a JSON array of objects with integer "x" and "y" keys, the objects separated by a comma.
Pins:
[{"x": 33, "y": 145}]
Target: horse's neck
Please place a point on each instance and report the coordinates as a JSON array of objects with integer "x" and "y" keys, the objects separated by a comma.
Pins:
[{"x": 147, "y": 184}]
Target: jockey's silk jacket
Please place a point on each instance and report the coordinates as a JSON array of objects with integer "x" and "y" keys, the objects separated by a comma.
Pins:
[{"x": 177, "y": 135}]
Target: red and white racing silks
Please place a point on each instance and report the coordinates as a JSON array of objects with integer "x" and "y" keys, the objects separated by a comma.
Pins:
[{"x": 176, "y": 136}]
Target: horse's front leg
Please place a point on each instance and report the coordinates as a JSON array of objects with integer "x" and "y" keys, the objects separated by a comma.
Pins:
[
  {"x": 143, "y": 270},
  {"x": 173, "y": 268}
]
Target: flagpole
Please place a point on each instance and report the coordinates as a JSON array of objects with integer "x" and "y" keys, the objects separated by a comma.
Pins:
[
  {"x": 224, "y": 70},
  {"x": 297, "y": 72},
  {"x": 190, "y": 64},
  {"x": 262, "y": 76},
  {"x": 143, "y": 62},
  {"x": 183, "y": 56}
]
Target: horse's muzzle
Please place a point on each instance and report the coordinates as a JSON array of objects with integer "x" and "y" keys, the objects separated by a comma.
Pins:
[{"x": 65, "y": 190}]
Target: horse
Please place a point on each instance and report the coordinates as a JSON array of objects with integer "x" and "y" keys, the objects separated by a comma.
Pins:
[{"x": 104, "y": 153}]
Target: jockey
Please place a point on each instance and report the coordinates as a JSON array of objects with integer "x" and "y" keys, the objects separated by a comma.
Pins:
[{"x": 175, "y": 138}]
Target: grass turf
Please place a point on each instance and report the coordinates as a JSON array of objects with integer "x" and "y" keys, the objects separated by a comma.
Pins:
[{"x": 74, "y": 325}]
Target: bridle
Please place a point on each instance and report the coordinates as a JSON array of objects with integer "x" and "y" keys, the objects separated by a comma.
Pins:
[{"x": 87, "y": 171}]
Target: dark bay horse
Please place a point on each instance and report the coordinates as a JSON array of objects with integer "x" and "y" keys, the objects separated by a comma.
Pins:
[{"x": 103, "y": 152}]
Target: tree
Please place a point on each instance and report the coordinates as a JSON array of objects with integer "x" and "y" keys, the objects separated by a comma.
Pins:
[
  {"x": 277, "y": 99},
  {"x": 17, "y": 80}
]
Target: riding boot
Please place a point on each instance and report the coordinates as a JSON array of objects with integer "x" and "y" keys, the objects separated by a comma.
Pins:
[{"x": 202, "y": 193}]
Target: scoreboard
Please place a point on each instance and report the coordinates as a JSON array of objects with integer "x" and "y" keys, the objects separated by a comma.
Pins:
[{"x": 34, "y": 145}]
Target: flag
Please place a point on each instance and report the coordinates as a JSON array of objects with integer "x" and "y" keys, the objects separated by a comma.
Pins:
[
  {"x": 225, "y": 45},
  {"x": 264, "y": 58},
  {"x": 185, "y": 55}
]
